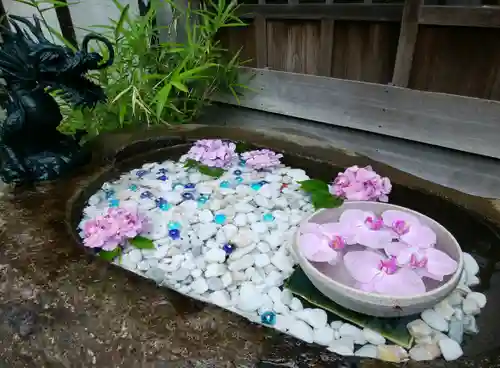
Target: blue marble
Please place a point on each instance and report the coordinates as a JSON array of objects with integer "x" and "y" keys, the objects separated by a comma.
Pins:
[
  {"x": 174, "y": 234},
  {"x": 237, "y": 172},
  {"x": 220, "y": 218},
  {"x": 242, "y": 163},
  {"x": 133, "y": 187},
  {"x": 228, "y": 248},
  {"x": 162, "y": 178},
  {"x": 268, "y": 318},
  {"x": 146, "y": 194},
  {"x": 187, "y": 196},
  {"x": 263, "y": 182},
  {"x": 114, "y": 203},
  {"x": 268, "y": 217},
  {"x": 174, "y": 225},
  {"x": 239, "y": 179},
  {"x": 189, "y": 186},
  {"x": 162, "y": 204},
  {"x": 141, "y": 173},
  {"x": 162, "y": 170},
  {"x": 177, "y": 185},
  {"x": 109, "y": 193},
  {"x": 225, "y": 184},
  {"x": 202, "y": 199},
  {"x": 256, "y": 186}
]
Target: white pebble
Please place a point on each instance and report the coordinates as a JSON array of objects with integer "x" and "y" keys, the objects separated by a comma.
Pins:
[
  {"x": 206, "y": 216},
  {"x": 199, "y": 286},
  {"x": 450, "y": 349},
  {"x": 215, "y": 269},
  {"x": 471, "y": 266},
  {"x": 479, "y": 298},
  {"x": 470, "y": 306},
  {"x": 296, "y": 305},
  {"x": 435, "y": 320},
  {"x": 425, "y": 352},
  {"x": 367, "y": 351},
  {"x": 302, "y": 330},
  {"x": 342, "y": 346},
  {"x": 242, "y": 263},
  {"x": 323, "y": 335},
  {"x": 348, "y": 330},
  {"x": 261, "y": 260},
  {"x": 372, "y": 337},
  {"x": 215, "y": 255},
  {"x": 316, "y": 317},
  {"x": 221, "y": 298}
]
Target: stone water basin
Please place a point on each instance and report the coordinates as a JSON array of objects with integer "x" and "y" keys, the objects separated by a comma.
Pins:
[{"x": 66, "y": 309}]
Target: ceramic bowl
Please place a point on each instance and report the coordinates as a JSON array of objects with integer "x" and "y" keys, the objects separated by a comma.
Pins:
[{"x": 339, "y": 290}]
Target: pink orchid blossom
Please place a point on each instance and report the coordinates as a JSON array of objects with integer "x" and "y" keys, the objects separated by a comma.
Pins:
[
  {"x": 377, "y": 273},
  {"x": 361, "y": 184},
  {"x": 261, "y": 159},
  {"x": 368, "y": 229},
  {"x": 213, "y": 152},
  {"x": 408, "y": 229},
  {"x": 426, "y": 262},
  {"x": 114, "y": 228},
  {"x": 324, "y": 242}
]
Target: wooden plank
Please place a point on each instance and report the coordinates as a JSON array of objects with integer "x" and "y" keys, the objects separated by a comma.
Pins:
[
  {"x": 455, "y": 122},
  {"x": 480, "y": 16},
  {"x": 326, "y": 47},
  {"x": 406, "y": 44},
  {"x": 261, "y": 41},
  {"x": 365, "y": 12}
]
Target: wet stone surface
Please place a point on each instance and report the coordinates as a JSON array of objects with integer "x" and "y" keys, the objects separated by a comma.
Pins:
[{"x": 62, "y": 308}]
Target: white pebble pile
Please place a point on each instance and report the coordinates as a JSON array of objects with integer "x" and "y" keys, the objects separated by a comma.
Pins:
[{"x": 249, "y": 281}]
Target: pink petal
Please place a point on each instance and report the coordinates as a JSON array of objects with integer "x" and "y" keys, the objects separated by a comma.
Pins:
[
  {"x": 362, "y": 265},
  {"x": 439, "y": 263},
  {"x": 351, "y": 218},
  {"x": 332, "y": 229},
  {"x": 404, "y": 282},
  {"x": 310, "y": 227},
  {"x": 315, "y": 248},
  {"x": 391, "y": 216},
  {"x": 376, "y": 239},
  {"x": 395, "y": 248},
  {"x": 420, "y": 236}
]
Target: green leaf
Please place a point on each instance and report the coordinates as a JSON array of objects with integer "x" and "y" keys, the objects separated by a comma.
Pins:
[
  {"x": 243, "y": 147},
  {"x": 322, "y": 199},
  {"x": 191, "y": 163},
  {"x": 313, "y": 185},
  {"x": 179, "y": 86},
  {"x": 393, "y": 329},
  {"x": 110, "y": 255},
  {"x": 141, "y": 242},
  {"x": 215, "y": 172}
]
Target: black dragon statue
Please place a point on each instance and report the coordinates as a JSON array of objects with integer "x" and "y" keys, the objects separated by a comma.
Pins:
[{"x": 32, "y": 71}]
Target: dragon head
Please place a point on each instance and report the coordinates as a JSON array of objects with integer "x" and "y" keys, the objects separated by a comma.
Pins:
[{"x": 32, "y": 61}]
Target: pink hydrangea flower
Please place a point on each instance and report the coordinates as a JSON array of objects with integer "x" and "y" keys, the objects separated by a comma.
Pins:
[
  {"x": 377, "y": 273},
  {"x": 408, "y": 229},
  {"x": 261, "y": 159},
  {"x": 368, "y": 229},
  {"x": 114, "y": 228},
  {"x": 213, "y": 152},
  {"x": 324, "y": 242},
  {"x": 361, "y": 184}
]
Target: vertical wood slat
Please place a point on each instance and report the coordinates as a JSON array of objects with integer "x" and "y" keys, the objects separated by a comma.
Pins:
[
  {"x": 260, "y": 24},
  {"x": 326, "y": 45},
  {"x": 66, "y": 23},
  {"x": 406, "y": 44}
]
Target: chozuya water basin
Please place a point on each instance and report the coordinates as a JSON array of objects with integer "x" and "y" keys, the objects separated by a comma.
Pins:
[
  {"x": 106, "y": 301},
  {"x": 339, "y": 286}
]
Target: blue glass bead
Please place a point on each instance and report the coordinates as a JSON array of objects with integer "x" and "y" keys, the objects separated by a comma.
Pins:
[
  {"x": 141, "y": 173},
  {"x": 174, "y": 234},
  {"x": 162, "y": 171},
  {"x": 202, "y": 200},
  {"x": 263, "y": 182},
  {"x": 109, "y": 193},
  {"x": 133, "y": 187},
  {"x": 268, "y": 318},
  {"x": 114, "y": 203},
  {"x": 268, "y": 217},
  {"x": 220, "y": 218},
  {"x": 228, "y": 248},
  {"x": 177, "y": 185},
  {"x": 174, "y": 225},
  {"x": 189, "y": 186},
  {"x": 242, "y": 163},
  {"x": 165, "y": 206},
  {"x": 188, "y": 196},
  {"x": 237, "y": 172},
  {"x": 239, "y": 179},
  {"x": 224, "y": 184},
  {"x": 146, "y": 194},
  {"x": 162, "y": 177},
  {"x": 256, "y": 186}
]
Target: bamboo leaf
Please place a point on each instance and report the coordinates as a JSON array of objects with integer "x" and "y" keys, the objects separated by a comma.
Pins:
[
  {"x": 141, "y": 242},
  {"x": 110, "y": 255}
]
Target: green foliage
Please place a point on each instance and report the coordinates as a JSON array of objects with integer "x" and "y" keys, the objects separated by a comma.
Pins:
[
  {"x": 320, "y": 195},
  {"x": 110, "y": 255},
  {"x": 141, "y": 242},
  {"x": 153, "y": 82},
  {"x": 215, "y": 172}
]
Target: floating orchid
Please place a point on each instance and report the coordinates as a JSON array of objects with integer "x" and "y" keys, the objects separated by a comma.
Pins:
[
  {"x": 368, "y": 229},
  {"x": 408, "y": 229},
  {"x": 377, "y": 273},
  {"x": 361, "y": 184},
  {"x": 324, "y": 242},
  {"x": 114, "y": 228},
  {"x": 213, "y": 152}
]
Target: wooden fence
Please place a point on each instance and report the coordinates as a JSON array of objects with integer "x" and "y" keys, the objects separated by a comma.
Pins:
[{"x": 451, "y": 49}]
